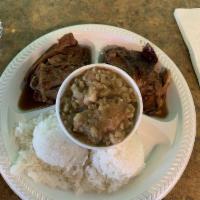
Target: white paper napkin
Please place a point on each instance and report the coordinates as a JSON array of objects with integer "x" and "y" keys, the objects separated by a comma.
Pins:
[{"x": 188, "y": 21}]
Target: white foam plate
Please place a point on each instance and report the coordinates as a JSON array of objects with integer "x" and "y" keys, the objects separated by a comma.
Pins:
[{"x": 165, "y": 164}]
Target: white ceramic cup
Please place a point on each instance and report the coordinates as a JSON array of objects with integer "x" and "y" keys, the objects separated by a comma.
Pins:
[{"x": 120, "y": 72}]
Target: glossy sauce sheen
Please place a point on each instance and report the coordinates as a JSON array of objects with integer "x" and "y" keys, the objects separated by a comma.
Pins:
[{"x": 26, "y": 101}]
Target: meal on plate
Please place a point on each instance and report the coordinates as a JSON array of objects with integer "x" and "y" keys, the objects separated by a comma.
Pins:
[
  {"x": 46, "y": 156},
  {"x": 45, "y": 76},
  {"x": 152, "y": 79},
  {"x": 48, "y": 72},
  {"x": 99, "y": 107}
]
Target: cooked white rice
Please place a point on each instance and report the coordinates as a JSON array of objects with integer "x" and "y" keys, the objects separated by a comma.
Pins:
[
  {"x": 53, "y": 147},
  {"x": 121, "y": 162},
  {"x": 56, "y": 167}
]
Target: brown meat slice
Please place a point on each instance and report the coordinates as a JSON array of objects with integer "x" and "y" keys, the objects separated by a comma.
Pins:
[
  {"x": 152, "y": 80},
  {"x": 149, "y": 54},
  {"x": 119, "y": 56},
  {"x": 49, "y": 71},
  {"x": 66, "y": 41}
]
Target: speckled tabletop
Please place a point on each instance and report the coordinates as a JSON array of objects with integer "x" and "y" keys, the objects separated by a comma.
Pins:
[{"x": 25, "y": 20}]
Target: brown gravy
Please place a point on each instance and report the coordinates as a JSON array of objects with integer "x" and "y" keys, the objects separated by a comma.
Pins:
[{"x": 26, "y": 101}]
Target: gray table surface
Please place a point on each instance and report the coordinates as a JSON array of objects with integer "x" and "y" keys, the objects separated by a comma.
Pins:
[{"x": 25, "y": 20}]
